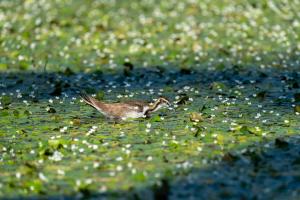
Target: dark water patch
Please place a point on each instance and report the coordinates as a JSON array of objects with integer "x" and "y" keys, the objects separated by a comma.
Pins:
[
  {"x": 275, "y": 83},
  {"x": 264, "y": 171}
]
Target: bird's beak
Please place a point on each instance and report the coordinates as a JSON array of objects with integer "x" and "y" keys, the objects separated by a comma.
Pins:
[{"x": 169, "y": 104}]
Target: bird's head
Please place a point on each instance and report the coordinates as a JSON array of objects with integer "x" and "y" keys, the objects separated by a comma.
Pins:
[
  {"x": 164, "y": 102},
  {"x": 161, "y": 102}
]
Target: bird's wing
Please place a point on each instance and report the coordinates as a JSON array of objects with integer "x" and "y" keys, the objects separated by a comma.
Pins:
[
  {"x": 138, "y": 104},
  {"x": 92, "y": 101}
]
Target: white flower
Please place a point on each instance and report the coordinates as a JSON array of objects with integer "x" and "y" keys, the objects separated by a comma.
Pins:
[
  {"x": 18, "y": 175},
  {"x": 78, "y": 182},
  {"x": 103, "y": 189},
  {"x": 60, "y": 172},
  {"x": 119, "y": 168},
  {"x": 264, "y": 134},
  {"x": 127, "y": 151},
  {"x": 62, "y": 130},
  {"x": 129, "y": 165},
  {"x": 81, "y": 150},
  {"x": 258, "y": 115},
  {"x": 43, "y": 177},
  {"x": 96, "y": 164},
  {"x": 94, "y": 127},
  {"x": 119, "y": 158},
  {"x": 148, "y": 125},
  {"x": 57, "y": 156},
  {"x": 133, "y": 171}
]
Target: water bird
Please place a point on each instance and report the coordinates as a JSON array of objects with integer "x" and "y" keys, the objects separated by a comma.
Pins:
[{"x": 125, "y": 110}]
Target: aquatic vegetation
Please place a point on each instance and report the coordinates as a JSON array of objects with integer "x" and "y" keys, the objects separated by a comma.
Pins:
[{"x": 230, "y": 70}]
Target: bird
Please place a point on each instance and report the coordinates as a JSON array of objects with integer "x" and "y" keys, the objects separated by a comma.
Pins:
[{"x": 125, "y": 110}]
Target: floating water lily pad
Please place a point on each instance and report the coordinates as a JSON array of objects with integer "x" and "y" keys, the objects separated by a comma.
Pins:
[
  {"x": 196, "y": 117},
  {"x": 215, "y": 73}
]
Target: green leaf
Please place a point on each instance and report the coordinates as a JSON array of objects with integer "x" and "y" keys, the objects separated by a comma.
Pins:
[
  {"x": 34, "y": 185},
  {"x": 4, "y": 113},
  {"x": 297, "y": 108},
  {"x": 245, "y": 130},
  {"x": 139, "y": 176},
  {"x": 6, "y": 100},
  {"x": 196, "y": 117},
  {"x": 100, "y": 95},
  {"x": 75, "y": 122},
  {"x": 168, "y": 89},
  {"x": 16, "y": 113},
  {"x": 23, "y": 65},
  {"x": 217, "y": 86},
  {"x": 45, "y": 152},
  {"x": 27, "y": 113},
  {"x": 21, "y": 131},
  {"x": 156, "y": 118},
  {"x": 56, "y": 144},
  {"x": 3, "y": 66}
]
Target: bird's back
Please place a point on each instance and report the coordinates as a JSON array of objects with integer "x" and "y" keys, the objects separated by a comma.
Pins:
[{"x": 130, "y": 109}]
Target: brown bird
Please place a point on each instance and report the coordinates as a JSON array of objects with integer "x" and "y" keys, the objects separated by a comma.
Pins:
[{"x": 125, "y": 110}]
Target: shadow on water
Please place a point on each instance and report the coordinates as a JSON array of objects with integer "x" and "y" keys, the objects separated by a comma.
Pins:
[
  {"x": 263, "y": 171},
  {"x": 40, "y": 86}
]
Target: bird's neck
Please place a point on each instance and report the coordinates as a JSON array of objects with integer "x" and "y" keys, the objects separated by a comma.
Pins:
[{"x": 156, "y": 105}]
